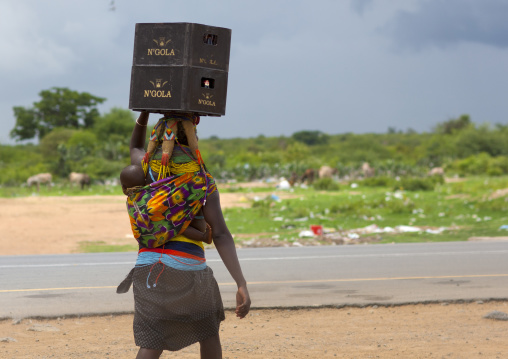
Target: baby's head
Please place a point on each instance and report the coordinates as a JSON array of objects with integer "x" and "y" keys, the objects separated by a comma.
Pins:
[{"x": 132, "y": 176}]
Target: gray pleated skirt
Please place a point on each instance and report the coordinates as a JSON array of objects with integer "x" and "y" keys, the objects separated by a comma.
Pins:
[{"x": 173, "y": 308}]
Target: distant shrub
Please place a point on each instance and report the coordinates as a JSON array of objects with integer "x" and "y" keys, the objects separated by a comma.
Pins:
[
  {"x": 300, "y": 212},
  {"x": 378, "y": 181},
  {"x": 355, "y": 207},
  {"x": 498, "y": 166},
  {"x": 494, "y": 171},
  {"x": 418, "y": 183},
  {"x": 326, "y": 184},
  {"x": 481, "y": 164}
]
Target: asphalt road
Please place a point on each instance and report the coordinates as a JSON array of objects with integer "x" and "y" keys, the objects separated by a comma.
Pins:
[{"x": 81, "y": 284}]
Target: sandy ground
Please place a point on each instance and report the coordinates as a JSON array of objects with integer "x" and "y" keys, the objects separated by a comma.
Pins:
[
  {"x": 417, "y": 331},
  {"x": 47, "y": 225},
  {"x": 54, "y": 225}
]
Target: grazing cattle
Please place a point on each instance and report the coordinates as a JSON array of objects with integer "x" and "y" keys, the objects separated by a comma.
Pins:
[
  {"x": 367, "y": 170},
  {"x": 436, "y": 171},
  {"x": 327, "y": 172},
  {"x": 79, "y": 178},
  {"x": 39, "y": 179},
  {"x": 308, "y": 176}
]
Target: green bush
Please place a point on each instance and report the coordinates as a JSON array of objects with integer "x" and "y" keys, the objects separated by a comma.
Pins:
[
  {"x": 378, "y": 181},
  {"x": 355, "y": 207},
  {"x": 481, "y": 164},
  {"x": 418, "y": 183},
  {"x": 326, "y": 184}
]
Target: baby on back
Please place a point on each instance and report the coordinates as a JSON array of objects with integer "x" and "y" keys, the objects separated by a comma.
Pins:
[{"x": 132, "y": 177}]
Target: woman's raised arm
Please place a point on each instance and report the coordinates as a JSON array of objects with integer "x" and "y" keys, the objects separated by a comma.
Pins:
[{"x": 137, "y": 145}]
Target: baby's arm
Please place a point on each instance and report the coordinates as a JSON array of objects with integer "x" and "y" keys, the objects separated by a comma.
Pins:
[{"x": 199, "y": 230}]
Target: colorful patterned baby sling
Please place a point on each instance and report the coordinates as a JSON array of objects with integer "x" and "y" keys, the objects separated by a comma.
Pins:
[{"x": 165, "y": 208}]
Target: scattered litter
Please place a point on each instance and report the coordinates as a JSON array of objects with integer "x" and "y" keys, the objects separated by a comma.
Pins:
[
  {"x": 398, "y": 195},
  {"x": 297, "y": 244},
  {"x": 283, "y": 184},
  {"x": 316, "y": 229},
  {"x": 353, "y": 235},
  {"x": 278, "y": 219},
  {"x": 306, "y": 234},
  {"x": 373, "y": 228},
  {"x": 276, "y": 236},
  {"x": 354, "y": 185},
  {"x": 435, "y": 231},
  {"x": 275, "y": 197},
  {"x": 496, "y": 315},
  {"x": 244, "y": 199},
  {"x": 504, "y": 226},
  {"x": 303, "y": 219},
  {"x": 369, "y": 229},
  {"x": 405, "y": 229},
  {"x": 441, "y": 214},
  {"x": 287, "y": 226}
]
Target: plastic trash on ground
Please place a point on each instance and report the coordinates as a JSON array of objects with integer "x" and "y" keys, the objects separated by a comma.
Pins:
[
  {"x": 408, "y": 229},
  {"x": 306, "y": 234},
  {"x": 283, "y": 184}
]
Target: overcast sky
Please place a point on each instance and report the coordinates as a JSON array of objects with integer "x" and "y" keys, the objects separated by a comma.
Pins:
[{"x": 330, "y": 65}]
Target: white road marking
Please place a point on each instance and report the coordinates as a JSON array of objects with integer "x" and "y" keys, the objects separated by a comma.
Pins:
[
  {"x": 299, "y": 258},
  {"x": 283, "y": 282}
]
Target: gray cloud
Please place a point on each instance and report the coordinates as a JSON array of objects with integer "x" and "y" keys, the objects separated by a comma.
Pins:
[
  {"x": 295, "y": 65},
  {"x": 447, "y": 22},
  {"x": 359, "y": 6}
]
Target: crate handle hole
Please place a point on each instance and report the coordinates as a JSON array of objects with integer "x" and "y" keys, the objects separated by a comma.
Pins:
[
  {"x": 207, "y": 83},
  {"x": 210, "y": 39}
]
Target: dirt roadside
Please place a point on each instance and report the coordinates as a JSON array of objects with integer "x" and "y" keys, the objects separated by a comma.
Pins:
[
  {"x": 49, "y": 225},
  {"x": 57, "y": 225},
  {"x": 414, "y": 331}
]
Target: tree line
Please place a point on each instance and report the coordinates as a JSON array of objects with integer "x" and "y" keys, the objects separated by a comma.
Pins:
[{"x": 73, "y": 136}]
